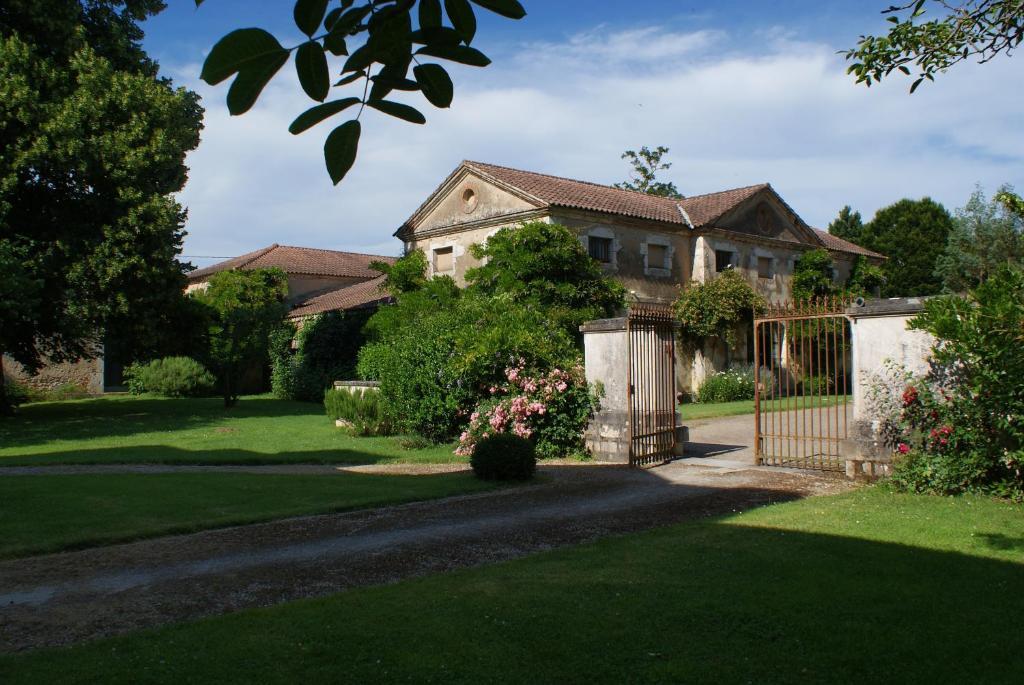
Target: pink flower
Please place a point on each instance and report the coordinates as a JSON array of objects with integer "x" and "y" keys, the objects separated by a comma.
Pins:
[
  {"x": 561, "y": 385},
  {"x": 903, "y": 448}
]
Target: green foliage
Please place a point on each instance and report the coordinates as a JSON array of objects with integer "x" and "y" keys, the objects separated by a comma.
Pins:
[
  {"x": 545, "y": 265},
  {"x": 728, "y": 386},
  {"x": 715, "y": 309},
  {"x": 408, "y": 273},
  {"x": 964, "y": 422},
  {"x": 913, "y": 235},
  {"x": 986, "y": 236},
  {"x": 970, "y": 28},
  {"x": 503, "y": 456},
  {"x": 326, "y": 349},
  {"x": 817, "y": 385},
  {"x": 848, "y": 225},
  {"x": 170, "y": 377},
  {"x": 362, "y": 410},
  {"x": 812, "y": 276},
  {"x": 246, "y": 307},
  {"x": 646, "y": 164},
  {"x": 866, "y": 279},
  {"x": 93, "y": 150},
  {"x": 379, "y": 43}
]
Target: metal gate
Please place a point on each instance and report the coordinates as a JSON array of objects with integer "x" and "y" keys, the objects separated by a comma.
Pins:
[
  {"x": 802, "y": 405},
  {"x": 652, "y": 384}
]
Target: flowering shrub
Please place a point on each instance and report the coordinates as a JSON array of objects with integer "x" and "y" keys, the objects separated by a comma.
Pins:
[
  {"x": 550, "y": 409},
  {"x": 728, "y": 386}
]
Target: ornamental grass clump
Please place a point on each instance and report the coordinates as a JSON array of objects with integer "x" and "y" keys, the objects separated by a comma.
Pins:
[
  {"x": 550, "y": 409},
  {"x": 360, "y": 411},
  {"x": 503, "y": 456}
]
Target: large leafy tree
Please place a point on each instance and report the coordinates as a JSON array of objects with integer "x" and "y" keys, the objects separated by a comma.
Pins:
[
  {"x": 546, "y": 264},
  {"x": 246, "y": 308},
  {"x": 93, "y": 147},
  {"x": 380, "y": 46},
  {"x": 848, "y": 225},
  {"x": 986, "y": 235},
  {"x": 912, "y": 234},
  {"x": 930, "y": 43},
  {"x": 646, "y": 164}
]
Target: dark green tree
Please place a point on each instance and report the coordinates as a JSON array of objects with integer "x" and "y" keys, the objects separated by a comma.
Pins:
[
  {"x": 813, "y": 275},
  {"x": 646, "y": 165},
  {"x": 986, "y": 235},
  {"x": 246, "y": 307},
  {"x": 913, "y": 235},
  {"x": 93, "y": 148},
  {"x": 866, "y": 279},
  {"x": 546, "y": 264},
  {"x": 932, "y": 43},
  {"x": 848, "y": 225},
  {"x": 381, "y": 43}
]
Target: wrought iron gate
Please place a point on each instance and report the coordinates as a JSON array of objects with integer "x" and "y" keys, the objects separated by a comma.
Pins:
[
  {"x": 802, "y": 405},
  {"x": 652, "y": 384}
]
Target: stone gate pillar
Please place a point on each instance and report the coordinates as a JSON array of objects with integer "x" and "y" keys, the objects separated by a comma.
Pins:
[{"x": 606, "y": 359}]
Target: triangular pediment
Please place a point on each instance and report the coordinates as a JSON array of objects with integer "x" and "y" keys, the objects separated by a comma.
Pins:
[
  {"x": 766, "y": 215},
  {"x": 468, "y": 196}
]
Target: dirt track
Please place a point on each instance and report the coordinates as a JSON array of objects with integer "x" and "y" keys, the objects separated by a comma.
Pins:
[{"x": 70, "y": 597}]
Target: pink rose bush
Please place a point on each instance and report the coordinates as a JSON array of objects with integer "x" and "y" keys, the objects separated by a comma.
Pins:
[{"x": 551, "y": 409}]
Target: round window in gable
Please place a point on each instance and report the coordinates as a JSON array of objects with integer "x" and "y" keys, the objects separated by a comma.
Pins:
[{"x": 469, "y": 200}]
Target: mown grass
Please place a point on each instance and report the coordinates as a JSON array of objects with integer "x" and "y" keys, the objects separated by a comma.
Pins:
[
  {"x": 692, "y": 411},
  {"x": 126, "y": 429},
  {"x": 49, "y": 513},
  {"x": 868, "y": 586}
]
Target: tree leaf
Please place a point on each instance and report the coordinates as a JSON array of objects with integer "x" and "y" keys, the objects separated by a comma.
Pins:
[
  {"x": 311, "y": 65},
  {"x": 355, "y": 76},
  {"x": 308, "y": 15},
  {"x": 430, "y": 14},
  {"x": 314, "y": 115},
  {"x": 456, "y": 53},
  {"x": 340, "y": 149},
  {"x": 358, "y": 60},
  {"x": 441, "y": 35},
  {"x": 463, "y": 19},
  {"x": 238, "y": 49},
  {"x": 397, "y": 109},
  {"x": 435, "y": 83},
  {"x": 506, "y": 8},
  {"x": 250, "y": 82},
  {"x": 335, "y": 43}
]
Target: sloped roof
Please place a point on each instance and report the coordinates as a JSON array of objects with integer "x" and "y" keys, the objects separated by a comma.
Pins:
[
  {"x": 299, "y": 260},
  {"x": 364, "y": 294},
  {"x": 832, "y": 242},
  {"x": 567, "y": 192}
]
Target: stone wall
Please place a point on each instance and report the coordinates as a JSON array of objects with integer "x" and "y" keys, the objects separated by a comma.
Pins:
[{"x": 86, "y": 374}]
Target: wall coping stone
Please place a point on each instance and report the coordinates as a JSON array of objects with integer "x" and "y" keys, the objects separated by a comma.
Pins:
[
  {"x": 604, "y": 325},
  {"x": 894, "y": 306}
]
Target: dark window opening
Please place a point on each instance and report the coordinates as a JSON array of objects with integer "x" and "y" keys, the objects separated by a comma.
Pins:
[
  {"x": 724, "y": 260},
  {"x": 600, "y": 249}
]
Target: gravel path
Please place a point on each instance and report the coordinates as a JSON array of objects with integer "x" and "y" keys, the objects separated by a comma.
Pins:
[{"x": 65, "y": 598}]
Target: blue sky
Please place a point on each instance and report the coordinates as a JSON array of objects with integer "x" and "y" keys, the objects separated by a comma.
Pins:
[{"x": 742, "y": 92}]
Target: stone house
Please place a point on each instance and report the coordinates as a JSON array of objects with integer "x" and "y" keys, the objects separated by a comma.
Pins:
[{"x": 652, "y": 245}]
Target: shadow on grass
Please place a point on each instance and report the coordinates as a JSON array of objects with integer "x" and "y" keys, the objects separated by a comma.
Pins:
[
  {"x": 126, "y": 415},
  {"x": 709, "y": 601}
]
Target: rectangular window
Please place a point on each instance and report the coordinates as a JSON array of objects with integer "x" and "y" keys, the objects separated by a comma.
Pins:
[
  {"x": 764, "y": 267},
  {"x": 723, "y": 260},
  {"x": 656, "y": 256},
  {"x": 443, "y": 259},
  {"x": 600, "y": 249}
]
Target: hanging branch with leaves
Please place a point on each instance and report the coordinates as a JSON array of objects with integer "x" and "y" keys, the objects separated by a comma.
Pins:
[{"x": 381, "y": 64}]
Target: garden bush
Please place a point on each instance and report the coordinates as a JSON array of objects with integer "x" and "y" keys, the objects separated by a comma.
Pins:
[
  {"x": 728, "y": 386},
  {"x": 361, "y": 409},
  {"x": 962, "y": 424},
  {"x": 503, "y": 456},
  {"x": 170, "y": 377},
  {"x": 816, "y": 384},
  {"x": 551, "y": 410},
  {"x": 325, "y": 350}
]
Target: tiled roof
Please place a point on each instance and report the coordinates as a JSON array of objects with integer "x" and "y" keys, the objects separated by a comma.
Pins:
[
  {"x": 565, "y": 192},
  {"x": 356, "y": 296},
  {"x": 832, "y": 242},
  {"x": 299, "y": 260}
]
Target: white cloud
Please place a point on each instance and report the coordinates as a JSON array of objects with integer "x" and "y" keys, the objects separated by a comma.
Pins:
[{"x": 782, "y": 111}]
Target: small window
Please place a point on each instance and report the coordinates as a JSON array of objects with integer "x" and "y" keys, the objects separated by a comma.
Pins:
[
  {"x": 443, "y": 259},
  {"x": 764, "y": 267},
  {"x": 724, "y": 260},
  {"x": 600, "y": 249},
  {"x": 657, "y": 256}
]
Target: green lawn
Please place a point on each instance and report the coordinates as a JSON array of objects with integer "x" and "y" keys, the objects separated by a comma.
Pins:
[
  {"x": 692, "y": 411},
  {"x": 48, "y": 513},
  {"x": 868, "y": 586},
  {"x": 119, "y": 429}
]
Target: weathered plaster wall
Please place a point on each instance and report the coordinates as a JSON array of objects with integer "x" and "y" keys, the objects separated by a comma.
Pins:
[
  {"x": 471, "y": 199},
  {"x": 606, "y": 360},
  {"x": 87, "y": 374}
]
